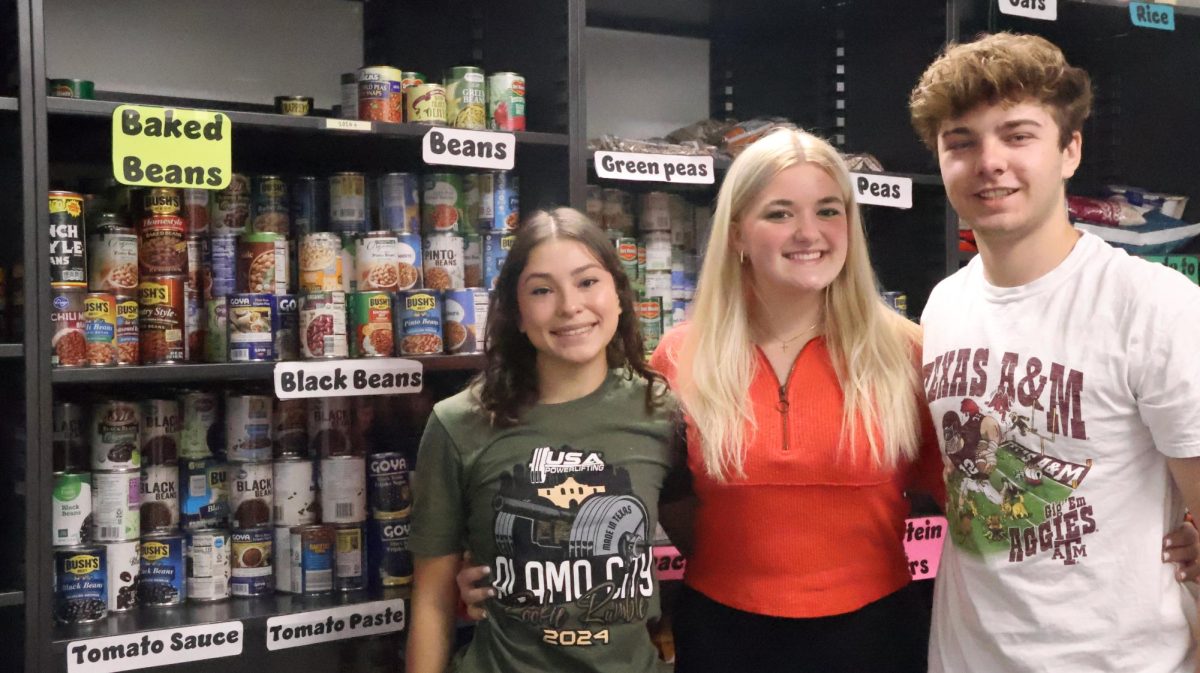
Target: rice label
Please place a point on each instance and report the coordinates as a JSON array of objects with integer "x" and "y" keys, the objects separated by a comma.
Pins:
[{"x": 341, "y": 378}]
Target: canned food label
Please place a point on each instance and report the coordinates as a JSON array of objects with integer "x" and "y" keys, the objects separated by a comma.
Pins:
[
  {"x": 216, "y": 336},
  {"x": 100, "y": 329},
  {"x": 163, "y": 579},
  {"x": 252, "y": 496},
  {"x": 399, "y": 207},
  {"x": 655, "y": 167},
  {"x": 443, "y": 261},
  {"x": 506, "y": 203},
  {"x": 321, "y": 626},
  {"x": 128, "y": 349},
  {"x": 425, "y": 103},
  {"x": 492, "y": 150},
  {"x": 347, "y": 201},
  {"x": 205, "y": 501},
  {"x": 285, "y": 317},
  {"x": 459, "y": 319},
  {"x": 343, "y": 483},
  {"x": 383, "y": 376},
  {"x": 473, "y": 261},
  {"x": 69, "y": 340},
  {"x": 114, "y": 434},
  {"x": 114, "y": 262},
  {"x": 124, "y": 560},
  {"x": 295, "y": 498},
  {"x": 312, "y": 559},
  {"x": 506, "y": 102},
  {"x": 420, "y": 323},
  {"x": 160, "y": 497},
  {"x": 250, "y": 336},
  {"x": 72, "y": 509},
  {"x": 221, "y": 265},
  {"x": 377, "y": 261},
  {"x": 389, "y": 493},
  {"x": 67, "y": 251},
  {"x": 388, "y": 558},
  {"x": 197, "y": 435},
  {"x": 80, "y": 585},
  {"x": 162, "y": 648},
  {"x": 248, "y": 421}
]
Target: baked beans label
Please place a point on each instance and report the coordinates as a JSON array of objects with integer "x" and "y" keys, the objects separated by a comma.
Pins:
[
  {"x": 1046, "y": 10},
  {"x": 655, "y": 167},
  {"x": 151, "y": 649},
  {"x": 171, "y": 147},
  {"x": 472, "y": 149},
  {"x": 874, "y": 189},
  {"x": 342, "y": 378},
  {"x": 322, "y": 626}
]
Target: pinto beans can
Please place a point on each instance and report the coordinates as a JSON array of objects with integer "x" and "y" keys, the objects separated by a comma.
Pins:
[
  {"x": 250, "y": 327},
  {"x": 262, "y": 263},
  {"x": 161, "y": 320},
  {"x": 323, "y": 325},
  {"x": 419, "y": 322},
  {"x": 411, "y": 261},
  {"x": 372, "y": 334},
  {"x": 128, "y": 341},
  {"x": 252, "y": 496},
  {"x": 68, "y": 261},
  {"x": 443, "y": 261},
  {"x": 69, "y": 339},
  {"x": 114, "y": 263},
  {"x": 100, "y": 328}
]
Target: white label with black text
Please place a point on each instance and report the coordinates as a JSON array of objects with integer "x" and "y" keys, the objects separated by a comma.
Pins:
[
  {"x": 473, "y": 149},
  {"x": 320, "y": 626},
  {"x": 154, "y": 648},
  {"x": 882, "y": 190},
  {"x": 655, "y": 167},
  {"x": 1047, "y": 10},
  {"x": 347, "y": 125},
  {"x": 343, "y": 378}
]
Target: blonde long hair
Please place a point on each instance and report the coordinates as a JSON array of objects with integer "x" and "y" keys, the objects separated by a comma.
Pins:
[{"x": 873, "y": 349}]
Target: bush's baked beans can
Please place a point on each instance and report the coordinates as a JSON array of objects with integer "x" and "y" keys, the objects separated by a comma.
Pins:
[
  {"x": 285, "y": 316},
  {"x": 128, "y": 349},
  {"x": 163, "y": 578},
  {"x": 473, "y": 259},
  {"x": 466, "y": 98},
  {"x": 80, "y": 584},
  {"x": 114, "y": 263},
  {"x": 69, "y": 340},
  {"x": 199, "y": 431},
  {"x": 162, "y": 247},
  {"x": 216, "y": 333},
  {"x": 124, "y": 561},
  {"x": 159, "y": 432},
  {"x": 380, "y": 97},
  {"x": 399, "y": 205},
  {"x": 231, "y": 207},
  {"x": 161, "y": 319},
  {"x": 223, "y": 266},
  {"x": 506, "y": 101},
  {"x": 464, "y": 319},
  {"x": 70, "y": 518},
  {"x": 419, "y": 322},
  {"x": 116, "y": 505},
  {"x": 377, "y": 261},
  {"x": 208, "y": 564},
  {"x": 68, "y": 255},
  {"x": 389, "y": 494},
  {"x": 320, "y": 262},
  {"x": 411, "y": 260},
  {"x": 251, "y": 337},
  {"x": 350, "y": 557},
  {"x": 252, "y": 495},
  {"x": 343, "y": 486},
  {"x": 443, "y": 261},
  {"x": 425, "y": 104},
  {"x": 312, "y": 559},
  {"x": 290, "y": 438},
  {"x": 253, "y": 555},
  {"x": 195, "y": 264},
  {"x": 295, "y": 500},
  {"x": 310, "y": 205},
  {"x": 262, "y": 263},
  {"x": 389, "y": 563},
  {"x": 194, "y": 322},
  {"x": 269, "y": 205},
  {"x": 330, "y": 427},
  {"x": 100, "y": 328},
  {"x": 372, "y": 320},
  {"x": 204, "y": 501},
  {"x": 159, "y": 509},
  {"x": 347, "y": 203},
  {"x": 195, "y": 211},
  {"x": 114, "y": 431},
  {"x": 443, "y": 209},
  {"x": 248, "y": 421},
  {"x": 323, "y": 325},
  {"x": 70, "y": 444}
]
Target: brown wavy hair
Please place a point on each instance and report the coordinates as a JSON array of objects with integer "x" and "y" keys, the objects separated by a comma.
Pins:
[
  {"x": 508, "y": 384},
  {"x": 1000, "y": 68}
]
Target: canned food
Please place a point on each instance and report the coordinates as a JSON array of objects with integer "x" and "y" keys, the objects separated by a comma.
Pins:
[
  {"x": 69, "y": 445},
  {"x": 330, "y": 427},
  {"x": 216, "y": 333},
  {"x": 377, "y": 261},
  {"x": 159, "y": 432},
  {"x": 443, "y": 261},
  {"x": 464, "y": 320},
  {"x": 159, "y": 498},
  {"x": 199, "y": 434},
  {"x": 208, "y": 565},
  {"x": 472, "y": 260},
  {"x": 310, "y": 205},
  {"x": 409, "y": 269},
  {"x": 291, "y": 429},
  {"x": 70, "y": 518},
  {"x": 365, "y": 433},
  {"x": 627, "y": 253},
  {"x": 194, "y": 320},
  {"x": 250, "y": 327},
  {"x": 222, "y": 265},
  {"x": 350, "y": 557},
  {"x": 161, "y": 237},
  {"x": 252, "y": 497},
  {"x": 399, "y": 206},
  {"x": 380, "y": 97},
  {"x": 71, "y": 88},
  {"x": 195, "y": 211},
  {"x": 114, "y": 435},
  {"x": 349, "y": 95},
  {"x": 205, "y": 501},
  {"x": 69, "y": 338},
  {"x": 295, "y": 106},
  {"x": 389, "y": 560},
  {"x": 124, "y": 561},
  {"x": 80, "y": 584},
  {"x": 116, "y": 504},
  {"x": 506, "y": 202},
  {"x": 372, "y": 320},
  {"x": 269, "y": 205},
  {"x": 343, "y": 485},
  {"x": 295, "y": 500},
  {"x": 425, "y": 104},
  {"x": 312, "y": 559},
  {"x": 161, "y": 321},
  {"x": 285, "y": 316},
  {"x": 347, "y": 203},
  {"x": 163, "y": 578},
  {"x": 195, "y": 263},
  {"x": 320, "y": 262},
  {"x": 658, "y": 284},
  {"x": 443, "y": 203},
  {"x": 114, "y": 263},
  {"x": 231, "y": 207},
  {"x": 484, "y": 211},
  {"x": 466, "y": 98},
  {"x": 252, "y": 559},
  {"x": 68, "y": 257},
  {"x": 100, "y": 328},
  {"x": 655, "y": 212},
  {"x": 650, "y": 320},
  {"x": 420, "y": 322},
  {"x": 128, "y": 339},
  {"x": 262, "y": 263},
  {"x": 389, "y": 492},
  {"x": 248, "y": 421},
  {"x": 658, "y": 250},
  {"x": 283, "y": 551},
  {"x": 323, "y": 325},
  {"x": 506, "y": 101}
]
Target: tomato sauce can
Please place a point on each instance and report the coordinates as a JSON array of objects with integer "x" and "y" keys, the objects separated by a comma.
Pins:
[
  {"x": 68, "y": 256},
  {"x": 399, "y": 205},
  {"x": 114, "y": 429},
  {"x": 372, "y": 322},
  {"x": 347, "y": 203},
  {"x": 208, "y": 564},
  {"x": 330, "y": 427},
  {"x": 269, "y": 208},
  {"x": 80, "y": 584},
  {"x": 425, "y": 104},
  {"x": 295, "y": 501},
  {"x": 466, "y": 98},
  {"x": 159, "y": 432},
  {"x": 389, "y": 493},
  {"x": 320, "y": 262},
  {"x": 262, "y": 260},
  {"x": 290, "y": 438},
  {"x": 128, "y": 340},
  {"x": 343, "y": 488},
  {"x": 231, "y": 207},
  {"x": 419, "y": 322},
  {"x": 100, "y": 328},
  {"x": 442, "y": 261},
  {"x": 389, "y": 560},
  {"x": 222, "y": 269},
  {"x": 216, "y": 332},
  {"x": 253, "y": 556},
  {"x": 285, "y": 325},
  {"x": 70, "y": 518},
  {"x": 204, "y": 501},
  {"x": 377, "y": 261},
  {"x": 248, "y": 425},
  {"x": 443, "y": 199},
  {"x": 323, "y": 325},
  {"x": 161, "y": 319},
  {"x": 312, "y": 559},
  {"x": 69, "y": 338},
  {"x": 114, "y": 260},
  {"x": 159, "y": 510},
  {"x": 195, "y": 211},
  {"x": 124, "y": 561},
  {"x": 116, "y": 505},
  {"x": 249, "y": 319},
  {"x": 464, "y": 319},
  {"x": 252, "y": 496},
  {"x": 506, "y": 101},
  {"x": 350, "y": 557},
  {"x": 411, "y": 261}
]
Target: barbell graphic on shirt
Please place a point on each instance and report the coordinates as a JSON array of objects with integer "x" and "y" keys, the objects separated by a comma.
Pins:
[{"x": 604, "y": 525}]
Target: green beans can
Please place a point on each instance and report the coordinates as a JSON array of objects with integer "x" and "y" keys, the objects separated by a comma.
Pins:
[{"x": 466, "y": 98}]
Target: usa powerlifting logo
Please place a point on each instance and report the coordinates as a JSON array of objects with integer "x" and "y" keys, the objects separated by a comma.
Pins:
[{"x": 546, "y": 461}]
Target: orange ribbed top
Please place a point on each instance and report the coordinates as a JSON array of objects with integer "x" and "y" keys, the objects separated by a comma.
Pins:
[{"x": 809, "y": 531}]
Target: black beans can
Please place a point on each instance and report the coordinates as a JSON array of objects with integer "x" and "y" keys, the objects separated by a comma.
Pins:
[
  {"x": 389, "y": 494},
  {"x": 389, "y": 561},
  {"x": 80, "y": 584},
  {"x": 163, "y": 580}
]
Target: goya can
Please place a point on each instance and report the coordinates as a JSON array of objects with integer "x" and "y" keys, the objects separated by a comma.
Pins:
[
  {"x": 249, "y": 318},
  {"x": 252, "y": 559},
  {"x": 248, "y": 425},
  {"x": 411, "y": 261},
  {"x": 350, "y": 557},
  {"x": 347, "y": 203},
  {"x": 114, "y": 429},
  {"x": 69, "y": 445},
  {"x": 162, "y": 247},
  {"x": 320, "y": 262},
  {"x": 262, "y": 260},
  {"x": 425, "y": 104},
  {"x": 312, "y": 559},
  {"x": 100, "y": 328},
  {"x": 231, "y": 207},
  {"x": 116, "y": 505},
  {"x": 380, "y": 97},
  {"x": 208, "y": 564},
  {"x": 506, "y": 101},
  {"x": 295, "y": 501},
  {"x": 269, "y": 205},
  {"x": 128, "y": 339},
  {"x": 114, "y": 263},
  {"x": 506, "y": 202},
  {"x": 442, "y": 263},
  {"x": 330, "y": 427},
  {"x": 200, "y": 434},
  {"x": 372, "y": 322},
  {"x": 343, "y": 487},
  {"x": 159, "y": 498},
  {"x": 310, "y": 205},
  {"x": 80, "y": 584},
  {"x": 196, "y": 211},
  {"x": 466, "y": 98},
  {"x": 399, "y": 204},
  {"x": 163, "y": 578},
  {"x": 419, "y": 322},
  {"x": 124, "y": 561},
  {"x": 389, "y": 493},
  {"x": 216, "y": 333},
  {"x": 68, "y": 257},
  {"x": 290, "y": 438},
  {"x": 323, "y": 325},
  {"x": 70, "y": 518},
  {"x": 443, "y": 203},
  {"x": 285, "y": 325},
  {"x": 205, "y": 499},
  {"x": 377, "y": 261},
  {"x": 222, "y": 265},
  {"x": 161, "y": 322},
  {"x": 389, "y": 560},
  {"x": 464, "y": 318},
  {"x": 252, "y": 496},
  {"x": 69, "y": 338}
]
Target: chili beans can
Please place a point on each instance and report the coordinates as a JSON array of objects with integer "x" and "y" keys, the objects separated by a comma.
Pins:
[
  {"x": 410, "y": 261},
  {"x": 100, "y": 328},
  {"x": 250, "y": 327},
  {"x": 252, "y": 496},
  {"x": 80, "y": 584},
  {"x": 285, "y": 316},
  {"x": 380, "y": 97},
  {"x": 195, "y": 211},
  {"x": 419, "y": 322},
  {"x": 290, "y": 438},
  {"x": 443, "y": 261},
  {"x": 323, "y": 325},
  {"x": 295, "y": 501},
  {"x": 320, "y": 262},
  {"x": 128, "y": 340},
  {"x": 310, "y": 205},
  {"x": 70, "y": 517},
  {"x": 350, "y": 557},
  {"x": 205, "y": 493},
  {"x": 159, "y": 431},
  {"x": 159, "y": 510},
  {"x": 161, "y": 319},
  {"x": 208, "y": 564},
  {"x": 347, "y": 203},
  {"x": 330, "y": 427},
  {"x": 114, "y": 263},
  {"x": 231, "y": 207},
  {"x": 262, "y": 260},
  {"x": 377, "y": 261},
  {"x": 312, "y": 559},
  {"x": 389, "y": 560},
  {"x": 506, "y": 101},
  {"x": 253, "y": 556},
  {"x": 116, "y": 505},
  {"x": 425, "y": 104},
  {"x": 124, "y": 561},
  {"x": 68, "y": 256},
  {"x": 163, "y": 578},
  {"x": 443, "y": 200},
  {"x": 69, "y": 338},
  {"x": 269, "y": 205},
  {"x": 222, "y": 256},
  {"x": 70, "y": 444},
  {"x": 472, "y": 259},
  {"x": 389, "y": 493},
  {"x": 371, "y": 325},
  {"x": 114, "y": 428},
  {"x": 199, "y": 432},
  {"x": 464, "y": 314},
  {"x": 216, "y": 333},
  {"x": 466, "y": 98},
  {"x": 399, "y": 205},
  {"x": 506, "y": 202},
  {"x": 248, "y": 425},
  {"x": 343, "y": 488}
]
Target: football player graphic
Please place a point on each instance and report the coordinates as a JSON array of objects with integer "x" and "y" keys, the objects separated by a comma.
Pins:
[{"x": 971, "y": 445}]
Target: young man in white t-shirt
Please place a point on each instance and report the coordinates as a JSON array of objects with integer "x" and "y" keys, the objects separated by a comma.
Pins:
[{"x": 1065, "y": 378}]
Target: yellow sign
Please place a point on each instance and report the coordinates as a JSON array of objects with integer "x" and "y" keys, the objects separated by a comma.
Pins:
[{"x": 171, "y": 147}]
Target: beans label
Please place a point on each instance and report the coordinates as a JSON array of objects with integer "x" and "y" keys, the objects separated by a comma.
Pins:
[
  {"x": 473, "y": 149},
  {"x": 171, "y": 147}
]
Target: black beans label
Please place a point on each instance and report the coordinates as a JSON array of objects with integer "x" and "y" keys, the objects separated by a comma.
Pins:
[
  {"x": 655, "y": 167},
  {"x": 171, "y": 147},
  {"x": 320, "y": 626},
  {"x": 473, "y": 149},
  {"x": 874, "y": 189},
  {"x": 339, "y": 378},
  {"x": 150, "y": 649}
]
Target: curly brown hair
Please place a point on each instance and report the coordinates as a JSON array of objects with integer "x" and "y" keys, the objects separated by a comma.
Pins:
[
  {"x": 508, "y": 384},
  {"x": 1000, "y": 68}
]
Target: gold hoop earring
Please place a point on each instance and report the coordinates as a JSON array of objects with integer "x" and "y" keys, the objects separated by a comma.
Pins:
[{"x": 742, "y": 256}]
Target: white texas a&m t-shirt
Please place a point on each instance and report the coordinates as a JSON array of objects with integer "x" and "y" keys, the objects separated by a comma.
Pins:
[{"x": 1058, "y": 403}]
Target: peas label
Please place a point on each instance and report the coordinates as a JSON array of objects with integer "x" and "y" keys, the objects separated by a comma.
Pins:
[
  {"x": 697, "y": 170},
  {"x": 873, "y": 189}
]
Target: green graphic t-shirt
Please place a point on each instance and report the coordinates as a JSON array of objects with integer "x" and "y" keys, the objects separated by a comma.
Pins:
[{"x": 563, "y": 508}]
